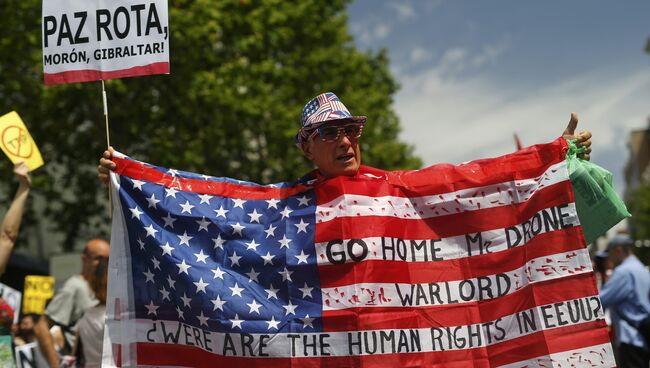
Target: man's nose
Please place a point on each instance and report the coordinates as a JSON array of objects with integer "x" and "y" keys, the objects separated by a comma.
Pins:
[{"x": 344, "y": 140}]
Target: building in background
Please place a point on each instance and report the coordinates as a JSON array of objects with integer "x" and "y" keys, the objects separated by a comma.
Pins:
[{"x": 637, "y": 169}]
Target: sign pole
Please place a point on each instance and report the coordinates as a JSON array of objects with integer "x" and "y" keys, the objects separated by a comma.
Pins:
[
  {"x": 108, "y": 144},
  {"x": 108, "y": 139}
]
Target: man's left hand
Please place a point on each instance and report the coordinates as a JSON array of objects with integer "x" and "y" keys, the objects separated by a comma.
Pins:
[{"x": 583, "y": 138}]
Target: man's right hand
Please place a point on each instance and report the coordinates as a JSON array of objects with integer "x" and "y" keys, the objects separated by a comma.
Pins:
[{"x": 106, "y": 165}]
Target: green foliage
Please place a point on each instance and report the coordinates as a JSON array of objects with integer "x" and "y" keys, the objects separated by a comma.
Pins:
[{"x": 241, "y": 72}]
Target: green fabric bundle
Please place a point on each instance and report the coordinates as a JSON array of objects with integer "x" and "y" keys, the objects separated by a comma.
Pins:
[{"x": 598, "y": 205}]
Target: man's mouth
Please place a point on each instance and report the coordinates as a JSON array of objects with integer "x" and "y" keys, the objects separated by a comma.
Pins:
[{"x": 345, "y": 157}]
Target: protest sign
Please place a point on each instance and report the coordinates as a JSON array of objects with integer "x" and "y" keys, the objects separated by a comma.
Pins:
[
  {"x": 17, "y": 143},
  {"x": 483, "y": 264},
  {"x": 38, "y": 289},
  {"x": 29, "y": 356},
  {"x": 86, "y": 40},
  {"x": 12, "y": 297}
]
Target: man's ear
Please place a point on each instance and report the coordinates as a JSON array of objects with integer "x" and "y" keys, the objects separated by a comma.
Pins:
[{"x": 306, "y": 150}]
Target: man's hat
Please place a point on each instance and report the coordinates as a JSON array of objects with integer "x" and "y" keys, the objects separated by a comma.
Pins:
[
  {"x": 323, "y": 109},
  {"x": 619, "y": 239}
]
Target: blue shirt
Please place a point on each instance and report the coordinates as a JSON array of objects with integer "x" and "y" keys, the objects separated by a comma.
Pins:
[{"x": 626, "y": 293}]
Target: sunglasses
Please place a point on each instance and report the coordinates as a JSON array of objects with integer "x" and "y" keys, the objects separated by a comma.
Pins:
[{"x": 332, "y": 133}]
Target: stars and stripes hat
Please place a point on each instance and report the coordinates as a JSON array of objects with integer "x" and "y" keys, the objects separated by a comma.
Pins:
[{"x": 325, "y": 108}]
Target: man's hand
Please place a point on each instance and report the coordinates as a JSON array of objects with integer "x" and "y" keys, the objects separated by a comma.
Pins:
[
  {"x": 583, "y": 138},
  {"x": 106, "y": 165},
  {"x": 22, "y": 173}
]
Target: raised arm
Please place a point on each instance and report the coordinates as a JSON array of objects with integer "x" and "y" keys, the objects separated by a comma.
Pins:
[{"x": 14, "y": 215}]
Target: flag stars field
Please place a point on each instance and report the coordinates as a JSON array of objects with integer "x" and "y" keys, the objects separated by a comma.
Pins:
[
  {"x": 151, "y": 231},
  {"x": 140, "y": 243},
  {"x": 203, "y": 320},
  {"x": 218, "y": 303},
  {"x": 153, "y": 201},
  {"x": 204, "y": 240},
  {"x": 151, "y": 308},
  {"x": 254, "y": 216},
  {"x": 170, "y": 192},
  {"x": 218, "y": 273},
  {"x": 238, "y": 203},
  {"x": 184, "y": 239},
  {"x": 205, "y": 198},
  {"x": 234, "y": 259},
  {"x": 166, "y": 249},
  {"x": 237, "y": 229},
  {"x": 171, "y": 282},
  {"x": 137, "y": 184},
  {"x": 200, "y": 286},
  {"x": 236, "y": 290},
  {"x": 200, "y": 257},
  {"x": 218, "y": 242},
  {"x": 186, "y": 300},
  {"x": 135, "y": 212},
  {"x": 252, "y": 275},
  {"x": 221, "y": 212},
  {"x": 183, "y": 267},
  {"x": 169, "y": 221},
  {"x": 203, "y": 224},
  {"x": 186, "y": 207}
]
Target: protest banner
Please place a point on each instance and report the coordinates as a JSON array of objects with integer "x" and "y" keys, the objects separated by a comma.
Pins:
[
  {"x": 87, "y": 40},
  {"x": 29, "y": 356},
  {"x": 38, "y": 290},
  {"x": 483, "y": 264},
  {"x": 17, "y": 143},
  {"x": 12, "y": 297}
]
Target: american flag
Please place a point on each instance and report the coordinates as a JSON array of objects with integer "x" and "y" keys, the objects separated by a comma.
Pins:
[{"x": 482, "y": 264}]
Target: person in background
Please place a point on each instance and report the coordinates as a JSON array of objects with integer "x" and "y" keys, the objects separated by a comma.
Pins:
[
  {"x": 626, "y": 295},
  {"x": 90, "y": 329},
  {"x": 70, "y": 303},
  {"x": 25, "y": 331},
  {"x": 11, "y": 222}
]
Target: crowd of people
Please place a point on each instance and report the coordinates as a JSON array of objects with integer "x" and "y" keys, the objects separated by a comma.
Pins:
[{"x": 71, "y": 328}]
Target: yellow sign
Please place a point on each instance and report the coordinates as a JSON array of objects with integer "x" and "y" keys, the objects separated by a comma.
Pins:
[
  {"x": 17, "y": 143},
  {"x": 38, "y": 290}
]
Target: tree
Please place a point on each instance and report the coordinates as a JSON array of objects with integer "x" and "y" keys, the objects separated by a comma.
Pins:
[{"x": 241, "y": 72}]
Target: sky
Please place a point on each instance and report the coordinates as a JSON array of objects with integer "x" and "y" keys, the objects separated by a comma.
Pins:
[{"x": 473, "y": 73}]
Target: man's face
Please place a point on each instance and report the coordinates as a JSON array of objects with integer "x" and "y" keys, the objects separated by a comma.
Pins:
[
  {"x": 95, "y": 250},
  {"x": 26, "y": 324},
  {"x": 616, "y": 255},
  {"x": 340, "y": 156}
]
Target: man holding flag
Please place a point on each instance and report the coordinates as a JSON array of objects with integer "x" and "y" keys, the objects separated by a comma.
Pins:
[
  {"x": 481, "y": 264},
  {"x": 324, "y": 118}
]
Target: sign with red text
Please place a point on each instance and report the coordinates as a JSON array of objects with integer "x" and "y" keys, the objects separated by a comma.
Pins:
[{"x": 87, "y": 40}]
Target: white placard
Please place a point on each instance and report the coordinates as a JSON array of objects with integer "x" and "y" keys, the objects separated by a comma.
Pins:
[
  {"x": 12, "y": 297},
  {"x": 86, "y": 40},
  {"x": 29, "y": 356}
]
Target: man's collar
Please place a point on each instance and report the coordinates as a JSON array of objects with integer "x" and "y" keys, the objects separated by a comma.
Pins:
[{"x": 365, "y": 172}]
